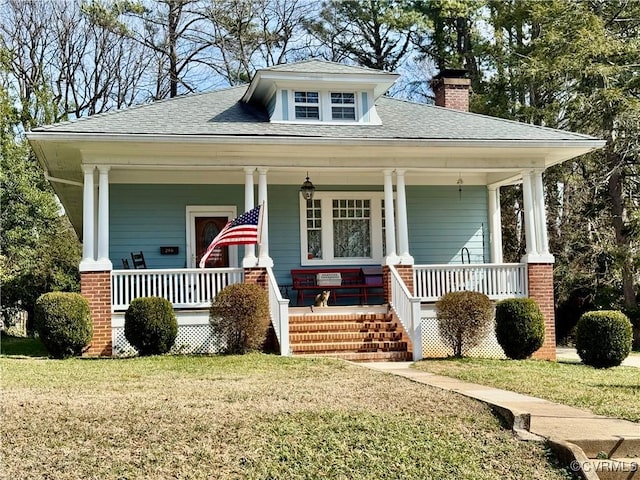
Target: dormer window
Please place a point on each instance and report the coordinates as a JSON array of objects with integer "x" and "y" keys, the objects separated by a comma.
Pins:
[
  {"x": 306, "y": 105},
  {"x": 343, "y": 106}
]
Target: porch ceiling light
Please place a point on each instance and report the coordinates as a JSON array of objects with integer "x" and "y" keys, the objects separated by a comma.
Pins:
[{"x": 307, "y": 189}]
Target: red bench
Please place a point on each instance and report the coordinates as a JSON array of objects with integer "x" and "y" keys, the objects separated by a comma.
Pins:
[{"x": 341, "y": 282}]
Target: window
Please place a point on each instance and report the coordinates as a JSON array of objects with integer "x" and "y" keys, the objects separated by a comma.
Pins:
[
  {"x": 307, "y": 105},
  {"x": 343, "y": 106},
  {"x": 342, "y": 228},
  {"x": 321, "y": 105}
]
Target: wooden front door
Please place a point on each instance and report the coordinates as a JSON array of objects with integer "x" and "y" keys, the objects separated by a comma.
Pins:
[{"x": 206, "y": 230}]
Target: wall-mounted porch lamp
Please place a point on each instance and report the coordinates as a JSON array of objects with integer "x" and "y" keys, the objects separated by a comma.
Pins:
[
  {"x": 460, "y": 183},
  {"x": 307, "y": 189}
]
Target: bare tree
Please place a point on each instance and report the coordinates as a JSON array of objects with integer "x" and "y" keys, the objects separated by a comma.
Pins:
[
  {"x": 61, "y": 65},
  {"x": 248, "y": 34}
]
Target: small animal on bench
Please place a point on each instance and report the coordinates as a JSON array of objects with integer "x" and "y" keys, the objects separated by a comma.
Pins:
[{"x": 322, "y": 299}]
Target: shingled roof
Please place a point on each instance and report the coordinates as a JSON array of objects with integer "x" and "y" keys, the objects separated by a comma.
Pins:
[{"x": 221, "y": 113}]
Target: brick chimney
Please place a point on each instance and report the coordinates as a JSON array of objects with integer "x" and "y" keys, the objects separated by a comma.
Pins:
[{"x": 451, "y": 88}]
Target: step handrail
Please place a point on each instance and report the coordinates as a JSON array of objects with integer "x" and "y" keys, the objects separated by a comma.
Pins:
[
  {"x": 407, "y": 309},
  {"x": 279, "y": 310}
]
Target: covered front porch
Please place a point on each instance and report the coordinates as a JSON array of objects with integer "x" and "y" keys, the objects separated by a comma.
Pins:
[{"x": 410, "y": 302}]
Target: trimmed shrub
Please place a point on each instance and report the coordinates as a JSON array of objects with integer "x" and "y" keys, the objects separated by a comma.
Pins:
[
  {"x": 519, "y": 327},
  {"x": 603, "y": 338},
  {"x": 240, "y": 315},
  {"x": 63, "y": 322},
  {"x": 150, "y": 325},
  {"x": 464, "y": 319}
]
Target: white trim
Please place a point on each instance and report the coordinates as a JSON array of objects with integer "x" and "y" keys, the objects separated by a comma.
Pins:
[
  {"x": 327, "y": 228},
  {"x": 262, "y": 140},
  {"x": 193, "y": 211}
]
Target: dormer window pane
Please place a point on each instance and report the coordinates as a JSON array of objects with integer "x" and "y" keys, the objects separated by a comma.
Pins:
[
  {"x": 343, "y": 106},
  {"x": 343, "y": 98},
  {"x": 306, "y": 97},
  {"x": 306, "y": 105}
]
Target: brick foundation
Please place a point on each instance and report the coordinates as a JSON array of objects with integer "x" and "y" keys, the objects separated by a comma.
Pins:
[
  {"x": 406, "y": 274},
  {"x": 96, "y": 288},
  {"x": 257, "y": 276},
  {"x": 540, "y": 276}
]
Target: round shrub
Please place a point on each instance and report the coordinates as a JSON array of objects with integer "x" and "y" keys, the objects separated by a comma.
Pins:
[
  {"x": 464, "y": 319},
  {"x": 63, "y": 322},
  {"x": 240, "y": 315},
  {"x": 603, "y": 338},
  {"x": 150, "y": 325},
  {"x": 519, "y": 327}
]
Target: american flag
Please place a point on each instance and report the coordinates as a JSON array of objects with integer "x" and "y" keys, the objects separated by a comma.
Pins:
[{"x": 245, "y": 229}]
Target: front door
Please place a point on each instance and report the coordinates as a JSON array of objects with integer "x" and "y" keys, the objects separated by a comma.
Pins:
[{"x": 206, "y": 229}]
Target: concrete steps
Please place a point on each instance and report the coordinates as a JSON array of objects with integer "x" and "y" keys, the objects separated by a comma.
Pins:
[{"x": 359, "y": 335}]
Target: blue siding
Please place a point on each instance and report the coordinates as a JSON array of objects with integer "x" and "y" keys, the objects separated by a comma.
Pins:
[
  {"x": 365, "y": 107},
  {"x": 285, "y": 105},
  {"x": 441, "y": 223},
  {"x": 146, "y": 217}
]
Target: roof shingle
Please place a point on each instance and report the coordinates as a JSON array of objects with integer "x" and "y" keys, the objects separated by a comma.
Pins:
[{"x": 220, "y": 113}]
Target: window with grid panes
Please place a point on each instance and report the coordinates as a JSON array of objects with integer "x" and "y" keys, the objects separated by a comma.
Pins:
[
  {"x": 351, "y": 228},
  {"x": 314, "y": 229},
  {"x": 307, "y": 105},
  {"x": 342, "y": 228},
  {"x": 343, "y": 106}
]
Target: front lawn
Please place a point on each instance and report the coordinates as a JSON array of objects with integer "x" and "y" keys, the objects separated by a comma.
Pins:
[
  {"x": 28, "y": 346},
  {"x": 614, "y": 392},
  {"x": 254, "y": 417}
]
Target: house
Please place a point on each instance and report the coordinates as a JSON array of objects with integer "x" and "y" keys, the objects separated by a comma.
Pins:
[{"x": 404, "y": 191}]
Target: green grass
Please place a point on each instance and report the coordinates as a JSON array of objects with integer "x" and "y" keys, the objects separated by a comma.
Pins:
[
  {"x": 613, "y": 392},
  {"x": 254, "y": 416},
  {"x": 25, "y": 346}
]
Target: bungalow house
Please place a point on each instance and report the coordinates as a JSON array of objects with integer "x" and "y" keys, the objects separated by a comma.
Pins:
[{"x": 385, "y": 203}]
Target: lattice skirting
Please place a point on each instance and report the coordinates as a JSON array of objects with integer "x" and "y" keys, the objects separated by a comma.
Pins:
[
  {"x": 195, "y": 336},
  {"x": 433, "y": 347}
]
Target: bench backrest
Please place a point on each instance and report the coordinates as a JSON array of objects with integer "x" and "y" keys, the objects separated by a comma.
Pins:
[{"x": 307, "y": 277}]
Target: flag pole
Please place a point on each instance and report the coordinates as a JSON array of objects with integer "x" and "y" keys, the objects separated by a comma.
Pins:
[{"x": 260, "y": 217}]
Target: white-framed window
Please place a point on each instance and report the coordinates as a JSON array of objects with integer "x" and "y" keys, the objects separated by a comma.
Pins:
[
  {"x": 306, "y": 105},
  {"x": 342, "y": 228},
  {"x": 343, "y": 106},
  {"x": 324, "y": 106}
]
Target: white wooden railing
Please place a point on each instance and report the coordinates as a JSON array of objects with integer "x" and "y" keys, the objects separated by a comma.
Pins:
[
  {"x": 279, "y": 308},
  {"x": 407, "y": 309},
  {"x": 184, "y": 287},
  {"x": 497, "y": 281}
]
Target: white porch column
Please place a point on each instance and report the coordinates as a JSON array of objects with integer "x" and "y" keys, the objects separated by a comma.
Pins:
[
  {"x": 264, "y": 260},
  {"x": 529, "y": 215},
  {"x": 403, "y": 229},
  {"x": 390, "y": 223},
  {"x": 495, "y": 224},
  {"x": 249, "y": 259},
  {"x": 87, "y": 264},
  {"x": 541, "y": 214},
  {"x": 544, "y": 256},
  {"x": 103, "y": 263}
]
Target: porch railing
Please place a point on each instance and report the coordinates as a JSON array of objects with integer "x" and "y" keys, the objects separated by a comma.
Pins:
[
  {"x": 497, "y": 281},
  {"x": 407, "y": 309},
  {"x": 184, "y": 287},
  {"x": 279, "y": 308}
]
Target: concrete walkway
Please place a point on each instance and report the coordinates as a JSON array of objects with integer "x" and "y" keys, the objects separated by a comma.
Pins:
[{"x": 534, "y": 418}]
